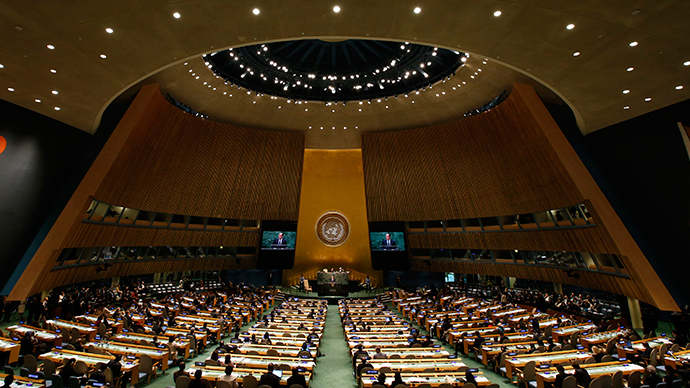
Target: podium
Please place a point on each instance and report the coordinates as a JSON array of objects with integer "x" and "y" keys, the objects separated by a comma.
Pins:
[{"x": 332, "y": 283}]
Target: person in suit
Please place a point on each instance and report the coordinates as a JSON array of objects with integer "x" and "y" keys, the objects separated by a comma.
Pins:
[
  {"x": 581, "y": 375},
  {"x": 99, "y": 375},
  {"x": 388, "y": 243},
  {"x": 560, "y": 376},
  {"x": 296, "y": 378},
  {"x": 269, "y": 378},
  {"x": 280, "y": 242}
]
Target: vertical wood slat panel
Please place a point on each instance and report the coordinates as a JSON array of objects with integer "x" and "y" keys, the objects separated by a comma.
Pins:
[
  {"x": 176, "y": 163},
  {"x": 498, "y": 163}
]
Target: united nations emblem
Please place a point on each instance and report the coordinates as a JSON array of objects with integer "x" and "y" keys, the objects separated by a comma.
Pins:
[{"x": 332, "y": 229}]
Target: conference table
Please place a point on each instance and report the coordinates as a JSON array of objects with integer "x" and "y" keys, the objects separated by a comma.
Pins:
[
  {"x": 116, "y": 324},
  {"x": 562, "y": 334},
  {"x": 24, "y": 382},
  {"x": 595, "y": 370},
  {"x": 86, "y": 330},
  {"x": 10, "y": 347},
  {"x": 419, "y": 365},
  {"x": 600, "y": 338},
  {"x": 213, "y": 373},
  {"x": 413, "y": 379},
  {"x": 519, "y": 361},
  {"x": 257, "y": 361},
  {"x": 285, "y": 350},
  {"x": 92, "y": 360},
  {"x": 677, "y": 358},
  {"x": 430, "y": 352},
  {"x": 157, "y": 354},
  {"x": 42, "y": 334},
  {"x": 136, "y": 338},
  {"x": 489, "y": 351}
]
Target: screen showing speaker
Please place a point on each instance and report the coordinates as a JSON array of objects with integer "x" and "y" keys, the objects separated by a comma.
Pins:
[
  {"x": 278, "y": 239},
  {"x": 387, "y": 241}
]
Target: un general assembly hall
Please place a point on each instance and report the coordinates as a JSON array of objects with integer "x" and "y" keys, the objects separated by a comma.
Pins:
[{"x": 352, "y": 193}]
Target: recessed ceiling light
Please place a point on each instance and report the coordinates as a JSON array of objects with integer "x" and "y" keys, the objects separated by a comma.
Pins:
[
  {"x": 576, "y": 54},
  {"x": 109, "y": 30},
  {"x": 103, "y": 56},
  {"x": 686, "y": 63},
  {"x": 37, "y": 100},
  {"x": 57, "y": 108},
  {"x": 417, "y": 10},
  {"x": 177, "y": 15},
  {"x": 633, "y": 44},
  {"x": 630, "y": 69},
  {"x": 679, "y": 87},
  {"x": 50, "y": 47},
  {"x": 336, "y": 9},
  {"x": 2, "y": 66},
  {"x": 497, "y": 13},
  {"x": 626, "y": 107},
  {"x": 570, "y": 26},
  {"x": 55, "y": 92},
  {"x": 53, "y": 71},
  {"x": 256, "y": 11},
  {"x": 10, "y": 89},
  {"x": 648, "y": 99},
  {"x": 626, "y": 91}
]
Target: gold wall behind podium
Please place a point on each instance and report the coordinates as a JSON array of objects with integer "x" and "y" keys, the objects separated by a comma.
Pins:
[{"x": 332, "y": 180}]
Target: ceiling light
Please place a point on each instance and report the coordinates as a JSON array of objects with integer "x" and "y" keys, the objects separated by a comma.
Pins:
[
  {"x": 336, "y": 9},
  {"x": 648, "y": 99},
  {"x": 256, "y": 11},
  {"x": 633, "y": 44},
  {"x": 109, "y": 30},
  {"x": 497, "y": 13},
  {"x": 630, "y": 69},
  {"x": 57, "y": 108},
  {"x": 37, "y": 100},
  {"x": 417, "y": 10},
  {"x": 50, "y": 47},
  {"x": 53, "y": 71},
  {"x": 55, "y": 92},
  {"x": 686, "y": 63},
  {"x": 576, "y": 54},
  {"x": 679, "y": 87},
  {"x": 626, "y": 91},
  {"x": 570, "y": 26},
  {"x": 626, "y": 107},
  {"x": 2, "y": 66},
  {"x": 103, "y": 56},
  {"x": 177, "y": 15},
  {"x": 10, "y": 89}
]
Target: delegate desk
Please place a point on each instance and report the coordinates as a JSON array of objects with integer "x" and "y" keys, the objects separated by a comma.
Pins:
[
  {"x": 115, "y": 324},
  {"x": 638, "y": 346},
  {"x": 10, "y": 347},
  {"x": 430, "y": 352},
  {"x": 562, "y": 334},
  {"x": 256, "y": 361},
  {"x": 86, "y": 330},
  {"x": 42, "y": 334},
  {"x": 677, "y": 358},
  {"x": 24, "y": 382},
  {"x": 419, "y": 365},
  {"x": 600, "y": 338},
  {"x": 594, "y": 370},
  {"x": 174, "y": 332},
  {"x": 213, "y": 373},
  {"x": 136, "y": 338},
  {"x": 413, "y": 379},
  {"x": 284, "y": 350},
  {"x": 157, "y": 354},
  {"x": 92, "y": 360},
  {"x": 550, "y": 358},
  {"x": 490, "y": 350},
  {"x": 454, "y": 335}
]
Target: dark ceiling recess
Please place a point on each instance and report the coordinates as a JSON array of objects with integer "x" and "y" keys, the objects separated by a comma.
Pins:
[{"x": 349, "y": 70}]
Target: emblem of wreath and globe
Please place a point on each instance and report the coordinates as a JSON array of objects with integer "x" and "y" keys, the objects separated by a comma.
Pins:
[{"x": 332, "y": 229}]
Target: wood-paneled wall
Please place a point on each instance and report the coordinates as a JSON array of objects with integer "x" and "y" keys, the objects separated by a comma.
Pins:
[
  {"x": 615, "y": 284},
  {"x": 491, "y": 164},
  {"x": 162, "y": 159},
  {"x": 88, "y": 273},
  {"x": 591, "y": 239},
  {"x": 97, "y": 235},
  {"x": 176, "y": 163}
]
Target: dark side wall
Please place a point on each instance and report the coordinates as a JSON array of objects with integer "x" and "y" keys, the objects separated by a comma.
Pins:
[
  {"x": 643, "y": 168},
  {"x": 42, "y": 165},
  {"x": 40, "y": 155}
]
